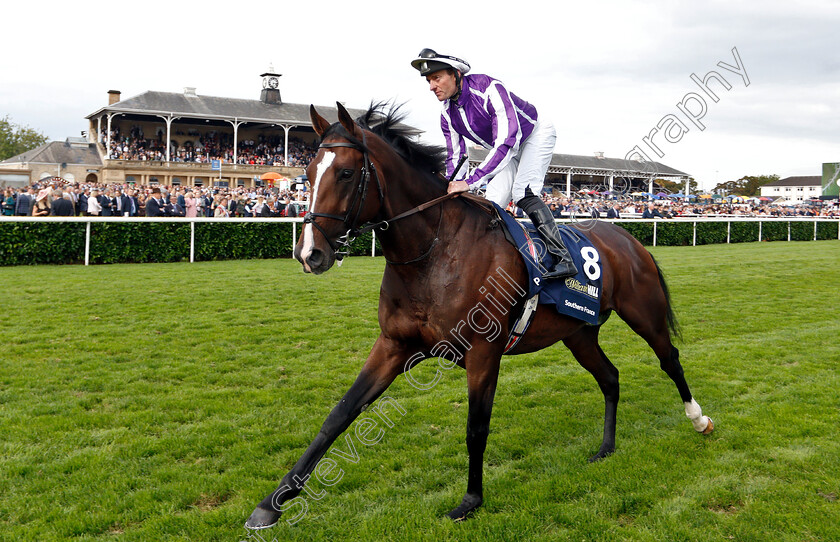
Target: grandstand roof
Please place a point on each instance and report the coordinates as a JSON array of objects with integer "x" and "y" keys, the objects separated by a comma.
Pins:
[
  {"x": 191, "y": 105},
  {"x": 561, "y": 163},
  {"x": 70, "y": 151},
  {"x": 811, "y": 180}
]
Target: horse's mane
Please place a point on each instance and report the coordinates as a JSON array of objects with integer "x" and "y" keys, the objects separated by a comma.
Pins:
[{"x": 385, "y": 119}]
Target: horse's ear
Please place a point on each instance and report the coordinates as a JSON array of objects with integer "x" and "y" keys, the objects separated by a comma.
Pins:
[
  {"x": 319, "y": 123},
  {"x": 347, "y": 121}
]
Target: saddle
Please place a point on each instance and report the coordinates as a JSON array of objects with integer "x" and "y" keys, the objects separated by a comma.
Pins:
[{"x": 577, "y": 296}]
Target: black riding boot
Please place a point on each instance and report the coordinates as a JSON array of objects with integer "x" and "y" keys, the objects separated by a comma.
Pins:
[{"x": 543, "y": 220}]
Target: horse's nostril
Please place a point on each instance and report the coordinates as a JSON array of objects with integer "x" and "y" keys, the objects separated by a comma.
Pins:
[{"x": 316, "y": 258}]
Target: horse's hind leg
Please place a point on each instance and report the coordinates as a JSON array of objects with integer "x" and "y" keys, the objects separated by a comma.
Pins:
[
  {"x": 670, "y": 363},
  {"x": 584, "y": 346},
  {"x": 654, "y": 330}
]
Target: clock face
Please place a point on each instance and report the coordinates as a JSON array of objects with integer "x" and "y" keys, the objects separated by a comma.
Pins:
[{"x": 272, "y": 82}]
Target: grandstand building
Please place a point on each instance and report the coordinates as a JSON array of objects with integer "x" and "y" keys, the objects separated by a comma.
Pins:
[{"x": 175, "y": 138}]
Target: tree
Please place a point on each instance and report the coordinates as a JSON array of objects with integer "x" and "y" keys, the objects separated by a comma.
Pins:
[
  {"x": 16, "y": 139},
  {"x": 673, "y": 187},
  {"x": 749, "y": 185}
]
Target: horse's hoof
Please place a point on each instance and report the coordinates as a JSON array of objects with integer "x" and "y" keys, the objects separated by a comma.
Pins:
[
  {"x": 709, "y": 427},
  {"x": 601, "y": 455},
  {"x": 262, "y": 519},
  {"x": 466, "y": 508}
]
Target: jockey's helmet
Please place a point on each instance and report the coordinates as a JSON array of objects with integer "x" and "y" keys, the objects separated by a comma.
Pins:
[{"x": 428, "y": 61}]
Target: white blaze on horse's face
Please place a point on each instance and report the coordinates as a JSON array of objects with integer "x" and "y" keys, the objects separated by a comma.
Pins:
[{"x": 308, "y": 239}]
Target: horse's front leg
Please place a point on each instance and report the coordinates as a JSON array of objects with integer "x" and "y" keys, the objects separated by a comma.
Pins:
[
  {"x": 482, "y": 376},
  {"x": 384, "y": 364}
]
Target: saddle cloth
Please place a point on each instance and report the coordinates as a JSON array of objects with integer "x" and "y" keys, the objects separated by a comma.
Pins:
[{"x": 578, "y": 296}]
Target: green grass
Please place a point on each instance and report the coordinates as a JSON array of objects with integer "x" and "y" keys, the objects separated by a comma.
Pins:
[{"x": 163, "y": 401}]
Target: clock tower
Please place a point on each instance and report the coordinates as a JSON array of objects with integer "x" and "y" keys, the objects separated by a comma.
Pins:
[{"x": 270, "y": 87}]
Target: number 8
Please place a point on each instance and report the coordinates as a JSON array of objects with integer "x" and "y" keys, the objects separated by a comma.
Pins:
[{"x": 590, "y": 263}]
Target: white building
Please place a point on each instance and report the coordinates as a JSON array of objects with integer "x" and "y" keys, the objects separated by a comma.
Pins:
[{"x": 794, "y": 189}]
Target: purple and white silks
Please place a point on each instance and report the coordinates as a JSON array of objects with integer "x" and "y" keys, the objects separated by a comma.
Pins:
[{"x": 488, "y": 114}]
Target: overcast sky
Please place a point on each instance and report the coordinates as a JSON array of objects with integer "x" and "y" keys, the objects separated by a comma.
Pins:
[{"x": 606, "y": 73}]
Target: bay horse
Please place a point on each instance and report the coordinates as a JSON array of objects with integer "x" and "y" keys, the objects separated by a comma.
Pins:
[{"x": 442, "y": 290}]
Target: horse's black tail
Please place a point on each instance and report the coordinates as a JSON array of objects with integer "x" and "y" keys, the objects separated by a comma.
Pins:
[{"x": 671, "y": 318}]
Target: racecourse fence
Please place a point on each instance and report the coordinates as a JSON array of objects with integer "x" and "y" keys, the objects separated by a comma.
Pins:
[{"x": 65, "y": 240}]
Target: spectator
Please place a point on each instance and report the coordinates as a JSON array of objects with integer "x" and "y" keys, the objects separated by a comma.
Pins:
[
  {"x": 94, "y": 208},
  {"x": 75, "y": 194},
  {"x": 221, "y": 209},
  {"x": 8, "y": 202},
  {"x": 25, "y": 200},
  {"x": 42, "y": 203},
  {"x": 190, "y": 205},
  {"x": 652, "y": 212},
  {"x": 121, "y": 204},
  {"x": 82, "y": 207},
  {"x": 155, "y": 204},
  {"x": 105, "y": 202},
  {"x": 133, "y": 204},
  {"x": 280, "y": 207},
  {"x": 247, "y": 207},
  {"x": 291, "y": 208},
  {"x": 261, "y": 208},
  {"x": 209, "y": 205},
  {"x": 141, "y": 204},
  {"x": 174, "y": 208},
  {"x": 62, "y": 205}
]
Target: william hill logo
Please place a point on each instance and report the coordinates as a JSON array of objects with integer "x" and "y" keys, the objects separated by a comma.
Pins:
[{"x": 575, "y": 285}]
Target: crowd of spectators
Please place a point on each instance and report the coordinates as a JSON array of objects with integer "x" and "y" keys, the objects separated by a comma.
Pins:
[
  {"x": 94, "y": 199},
  {"x": 202, "y": 148},
  {"x": 563, "y": 207}
]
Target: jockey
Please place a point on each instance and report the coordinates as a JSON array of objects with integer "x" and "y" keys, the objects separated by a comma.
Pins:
[{"x": 479, "y": 108}]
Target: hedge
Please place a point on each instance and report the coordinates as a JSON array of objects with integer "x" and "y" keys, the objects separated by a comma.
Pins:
[{"x": 29, "y": 243}]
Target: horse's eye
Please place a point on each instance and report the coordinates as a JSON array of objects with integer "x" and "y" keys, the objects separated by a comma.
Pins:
[{"x": 345, "y": 175}]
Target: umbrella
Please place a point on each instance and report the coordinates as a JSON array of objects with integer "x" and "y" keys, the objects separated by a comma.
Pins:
[
  {"x": 661, "y": 194},
  {"x": 271, "y": 176},
  {"x": 677, "y": 195},
  {"x": 762, "y": 198}
]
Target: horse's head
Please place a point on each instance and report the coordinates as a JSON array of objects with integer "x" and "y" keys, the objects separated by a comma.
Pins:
[{"x": 345, "y": 192}]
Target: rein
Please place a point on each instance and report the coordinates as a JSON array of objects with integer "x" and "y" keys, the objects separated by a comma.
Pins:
[
  {"x": 384, "y": 224},
  {"x": 341, "y": 246}
]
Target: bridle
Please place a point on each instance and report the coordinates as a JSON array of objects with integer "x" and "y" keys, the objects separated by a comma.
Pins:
[{"x": 341, "y": 246}]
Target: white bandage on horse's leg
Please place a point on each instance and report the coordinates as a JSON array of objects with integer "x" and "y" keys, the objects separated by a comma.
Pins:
[{"x": 695, "y": 414}]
